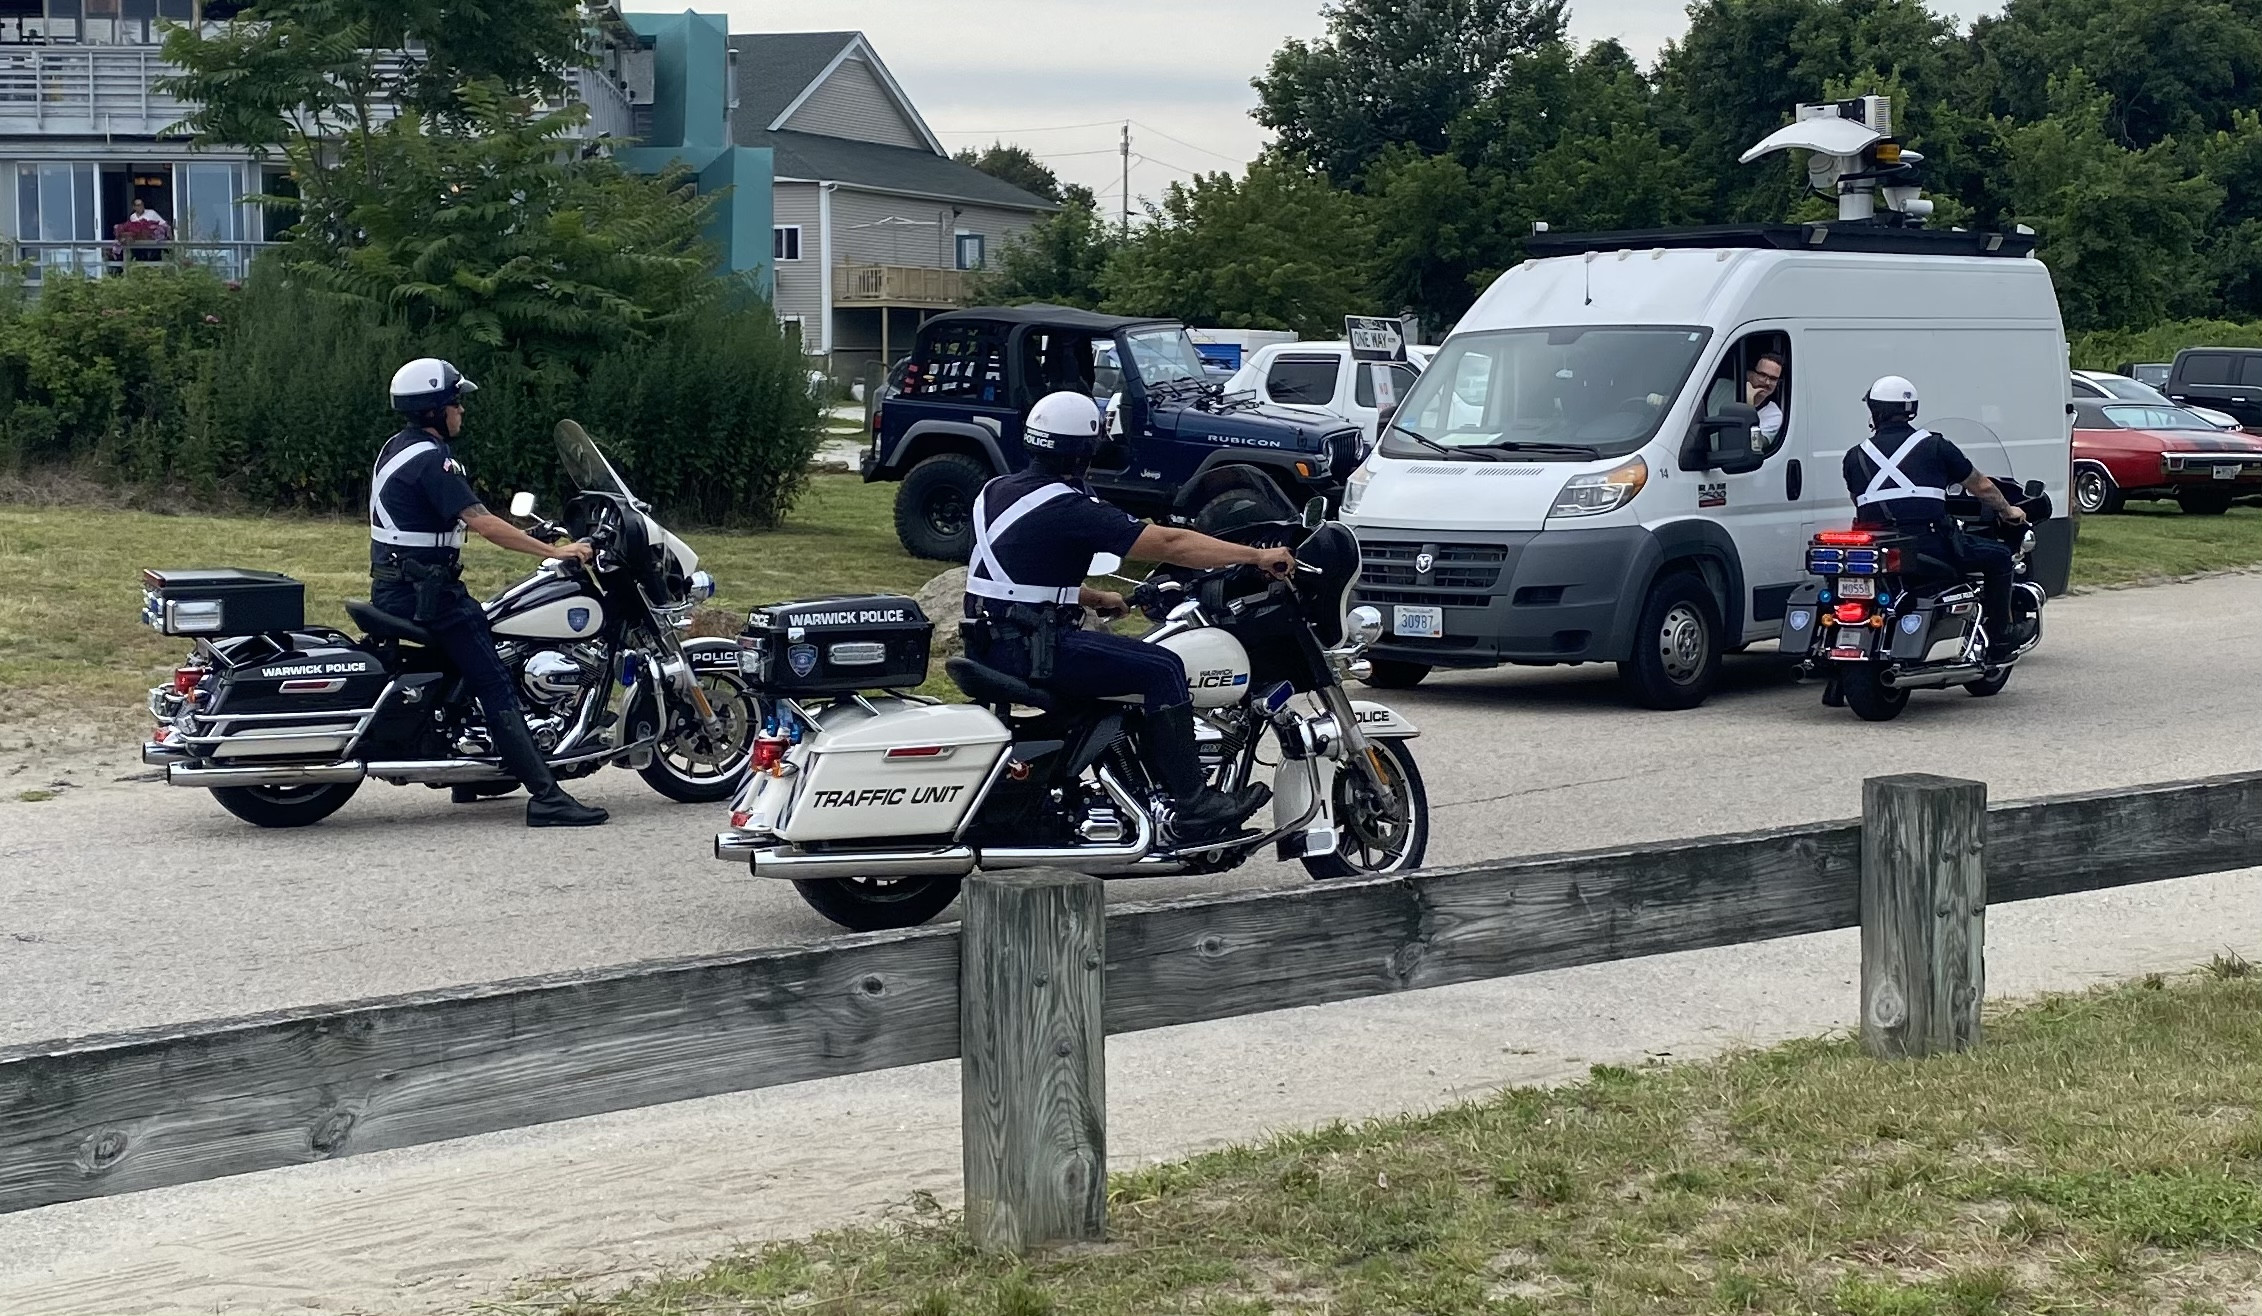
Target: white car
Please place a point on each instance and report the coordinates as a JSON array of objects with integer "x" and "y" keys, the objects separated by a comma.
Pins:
[
  {"x": 1321, "y": 378},
  {"x": 2105, "y": 385}
]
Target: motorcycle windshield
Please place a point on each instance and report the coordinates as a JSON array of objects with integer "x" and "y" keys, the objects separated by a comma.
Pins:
[
  {"x": 585, "y": 465},
  {"x": 1988, "y": 454},
  {"x": 1232, "y": 498}
]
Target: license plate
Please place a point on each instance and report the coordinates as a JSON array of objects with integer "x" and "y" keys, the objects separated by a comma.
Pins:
[
  {"x": 1853, "y": 587},
  {"x": 1418, "y": 623},
  {"x": 2226, "y": 472}
]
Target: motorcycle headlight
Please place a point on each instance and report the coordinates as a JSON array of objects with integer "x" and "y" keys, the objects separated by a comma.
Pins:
[
  {"x": 702, "y": 586},
  {"x": 1602, "y": 491},
  {"x": 1355, "y": 488},
  {"x": 1363, "y": 626}
]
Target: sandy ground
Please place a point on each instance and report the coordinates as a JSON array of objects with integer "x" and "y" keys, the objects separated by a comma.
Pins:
[{"x": 127, "y": 904}]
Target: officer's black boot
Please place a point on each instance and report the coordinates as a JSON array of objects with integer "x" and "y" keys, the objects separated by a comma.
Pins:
[
  {"x": 1201, "y": 813},
  {"x": 551, "y": 806}
]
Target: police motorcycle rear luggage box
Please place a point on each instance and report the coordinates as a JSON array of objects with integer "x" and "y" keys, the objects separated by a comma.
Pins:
[
  {"x": 222, "y": 601},
  {"x": 837, "y": 645}
]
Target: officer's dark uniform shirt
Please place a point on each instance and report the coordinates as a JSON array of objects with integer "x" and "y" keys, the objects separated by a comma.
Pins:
[
  {"x": 1053, "y": 546},
  {"x": 1932, "y": 462},
  {"x": 425, "y": 496}
]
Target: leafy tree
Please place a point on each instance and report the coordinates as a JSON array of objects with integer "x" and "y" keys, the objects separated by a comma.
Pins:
[
  {"x": 1278, "y": 249},
  {"x": 1394, "y": 73},
  {"x": 1015, "y": 165},
  {"x": 1060, "y": 260},
  {"x": 2167, "y": 67}
]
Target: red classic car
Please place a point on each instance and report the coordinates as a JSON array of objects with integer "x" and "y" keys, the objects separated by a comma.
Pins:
[{"x": 2124, "y": 450}]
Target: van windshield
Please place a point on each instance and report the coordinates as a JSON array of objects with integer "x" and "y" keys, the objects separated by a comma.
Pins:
[{"x": 1562, "y": 394}]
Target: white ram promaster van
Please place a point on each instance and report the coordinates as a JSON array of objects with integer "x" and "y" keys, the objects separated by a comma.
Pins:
[{"x": 1577, "y": 478}]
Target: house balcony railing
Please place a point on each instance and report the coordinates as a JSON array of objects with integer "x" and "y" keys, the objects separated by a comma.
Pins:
[
  {"x": 112, "y": 90},
  {"x": 900, "y": 285},
  {"x": 36, "y": 260}
]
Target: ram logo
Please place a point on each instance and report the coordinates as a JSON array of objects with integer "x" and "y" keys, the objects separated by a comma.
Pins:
[{"x": 1423, "y": 562}]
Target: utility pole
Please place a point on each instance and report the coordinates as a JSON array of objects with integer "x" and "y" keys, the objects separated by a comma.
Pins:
[{"x": 1127, "y": 178}]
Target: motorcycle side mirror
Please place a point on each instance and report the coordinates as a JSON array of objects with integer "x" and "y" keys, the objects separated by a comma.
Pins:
[
  {"x": 1315, "y": 514},
  {"x": 1104, "y": 564},
  {"x": 522, "y": 504},
  {"x": 2034, "y": 489}
]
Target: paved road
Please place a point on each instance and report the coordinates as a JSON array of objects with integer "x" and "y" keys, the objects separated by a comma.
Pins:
[
  {"x": 131, "y": 905},
  {"x": 127, "y": 904}
]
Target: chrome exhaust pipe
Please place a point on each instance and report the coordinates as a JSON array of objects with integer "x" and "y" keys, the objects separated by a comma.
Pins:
[
  {"x": 1938, "y": 679},
  {"x": 274, "y": 774},
  {"x": 769, "y": 859},
  {"x": 158, "y": 754}
]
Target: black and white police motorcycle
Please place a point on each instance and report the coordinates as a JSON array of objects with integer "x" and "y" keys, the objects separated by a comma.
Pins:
[
  {"x": 282, "y": 721},
  {"x": 877, "y": 803},
  {"x": 1882, "y": 619}
]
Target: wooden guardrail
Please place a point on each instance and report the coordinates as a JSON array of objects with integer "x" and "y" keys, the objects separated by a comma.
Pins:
[{"x": 112, "y": 1114}]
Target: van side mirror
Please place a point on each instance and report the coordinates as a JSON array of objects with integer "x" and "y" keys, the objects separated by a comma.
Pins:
[
  {"x": 522, "y": 505},
  {"x": 1723, "y": 442},
  {"x": 1315, "y": 514}
]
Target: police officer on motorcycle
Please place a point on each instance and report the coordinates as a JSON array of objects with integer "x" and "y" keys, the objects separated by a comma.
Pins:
[
  {"x": 420, "y": 505},
  {"x": 1900, "y": 478},
  {"x": 1035, "y": 534}
]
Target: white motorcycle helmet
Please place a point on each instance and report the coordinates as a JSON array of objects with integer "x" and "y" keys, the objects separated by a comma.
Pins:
[
  {"x": 428, "y": 384},
  {"x": 1063, "y": 431},
  {"x": 1891, "y": 398}
]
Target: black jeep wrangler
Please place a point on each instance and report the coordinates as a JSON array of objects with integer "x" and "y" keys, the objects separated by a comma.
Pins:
[{"x": 952, "y": 417}]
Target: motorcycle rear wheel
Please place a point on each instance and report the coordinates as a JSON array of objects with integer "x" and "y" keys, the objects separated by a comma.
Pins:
[
  {"x": 1367, "y": 844},
  {"x": 1868, "y": 696},
  {"x": 1989, "y": 685},
  {"x": 863, "y": 904},
  {"x": 284, "y": 806}
]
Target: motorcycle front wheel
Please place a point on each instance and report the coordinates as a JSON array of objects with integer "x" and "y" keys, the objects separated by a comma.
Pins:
[
  {"x": 872, "y": 904},
  {"x": 689, "y": 766},
  {"x": 1374, "y": 837}
]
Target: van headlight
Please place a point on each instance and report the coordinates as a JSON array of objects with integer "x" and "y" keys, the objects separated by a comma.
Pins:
[
  {"x": 1597, "y": 492},
  {"x": 1355, "y": 488}
]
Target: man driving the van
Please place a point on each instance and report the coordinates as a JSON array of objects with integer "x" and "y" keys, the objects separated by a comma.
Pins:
[
  {"x": 1761, "y": 383},
  {"x": 1900, "y": 478}
]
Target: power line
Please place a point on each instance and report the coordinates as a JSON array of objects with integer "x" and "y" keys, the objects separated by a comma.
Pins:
[
  {"x": 1190, "y": 173},
  {"x": 1189, "y": 145},
  {"x": 1056, "y": 128}
]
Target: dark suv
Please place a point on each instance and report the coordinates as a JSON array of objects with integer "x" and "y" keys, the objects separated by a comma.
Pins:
[
  {"x": 954, "y": 421},
  {"x": 2229, "y": 379}
]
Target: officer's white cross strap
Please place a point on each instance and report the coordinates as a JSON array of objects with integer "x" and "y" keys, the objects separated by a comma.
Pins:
[
  {"x": 1890, "y": 482},
  {"x": 381, "y": 527},
  {"x": 986, "y": 578}
]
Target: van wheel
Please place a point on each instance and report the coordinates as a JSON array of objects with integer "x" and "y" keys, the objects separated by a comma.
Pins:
[
  {"x": 2094, "y": 491},
  {"x": 1391, "y": 674},
  {"x": 1676, "y": 659},
  {"x": 2204, "y": 502},
  {"x": 934, "y": 510}
]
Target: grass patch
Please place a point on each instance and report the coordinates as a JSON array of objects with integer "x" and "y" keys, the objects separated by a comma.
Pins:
[
  {"x": 71, "y": 636},
  {"x": 2099, "y": 1154},
  {"x": 2154, "y": 541}
]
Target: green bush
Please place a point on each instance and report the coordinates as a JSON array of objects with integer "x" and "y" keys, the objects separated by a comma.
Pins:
[
  {"x": 2109, "y": 349},
  {"x": 103, "y": 371}
]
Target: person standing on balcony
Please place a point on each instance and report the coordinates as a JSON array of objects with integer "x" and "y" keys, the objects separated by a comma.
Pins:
[{"x": 142, "y": 214}]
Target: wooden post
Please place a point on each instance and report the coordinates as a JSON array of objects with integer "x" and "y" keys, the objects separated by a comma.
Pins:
[
  {"x": 1923, "y": 914},
  {"x": 1033, "y": 1073}
]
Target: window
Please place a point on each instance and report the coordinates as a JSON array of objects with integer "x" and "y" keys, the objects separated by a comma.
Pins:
[
  {"x": 1401, "y": 379},
  {"x": 1598, "y": 389},
  {"x": 2133, "y": 417},
  {"x": 793, "y": 325},
  {"x": 2250, "y": 373},
  {"x": 785, "y": 242},
  {"x": 55, "y": 202},
  {"x": 210, "y": 203},
  {"x": 1756, "y": 372},
  {"x": 2210, "y": 368},
  {"x": 2088, "y": 388},
  {"x": 1303, "y": 380},
  {"x": 965, "y": 363},
  {"x": 973, "y": 251}
]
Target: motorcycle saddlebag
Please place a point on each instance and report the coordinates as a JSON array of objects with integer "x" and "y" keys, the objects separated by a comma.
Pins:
[
  {"x": 222, "y": 601},
  {"x": 1800, "y": 613},
  {"x": 834, "y": 646}
]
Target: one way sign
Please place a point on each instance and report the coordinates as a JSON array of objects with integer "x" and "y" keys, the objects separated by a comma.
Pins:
[{"x": 1374, "y": 338}]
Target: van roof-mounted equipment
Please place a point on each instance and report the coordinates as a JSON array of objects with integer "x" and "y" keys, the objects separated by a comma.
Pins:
[
  {"x": 1855, "y": 237},
  {"x": 1852, "y": 155}
]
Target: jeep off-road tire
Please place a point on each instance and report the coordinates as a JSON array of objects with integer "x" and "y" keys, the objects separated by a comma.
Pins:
[
  {"x": 934, "y": 507},
  {"x": 1394, "y": 674},
  {"x": 2204, "y": 502}
]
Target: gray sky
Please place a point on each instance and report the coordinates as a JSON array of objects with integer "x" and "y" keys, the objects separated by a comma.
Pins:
[{"x": 1061, "y": 76}]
